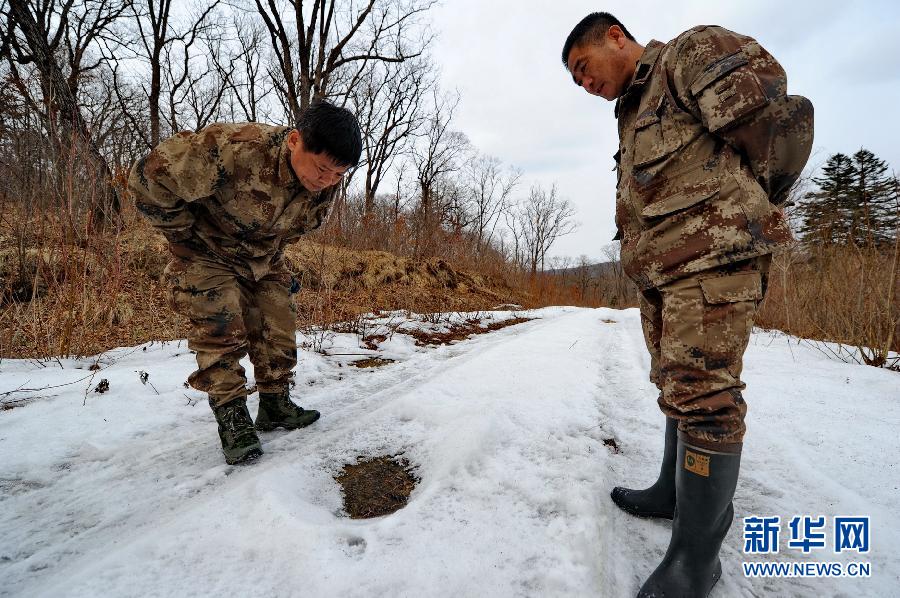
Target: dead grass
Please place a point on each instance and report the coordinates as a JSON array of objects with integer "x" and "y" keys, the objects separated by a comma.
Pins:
[
  {"x": 841, "y": 294},
  {"x": 372, "y": 362},
  {"x": 376, "y": 487},
  {"x": 64, "y": 299},
  {"x": 459, "y": 332}
]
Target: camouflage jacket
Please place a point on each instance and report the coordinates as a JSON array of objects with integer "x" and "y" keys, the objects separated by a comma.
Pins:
[
  {"x": 227, "y": 192},
  {"x": 709, "y": 145}
]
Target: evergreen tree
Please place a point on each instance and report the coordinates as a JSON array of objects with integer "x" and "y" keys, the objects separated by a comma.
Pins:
[
  {"x": 873, "y": 200},
  {"x": 856, "y": 202},
  {"x": 824, "y": 214}
]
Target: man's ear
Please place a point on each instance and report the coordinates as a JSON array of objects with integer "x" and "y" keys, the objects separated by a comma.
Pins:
[
  {"x": 617, "y": 36},
  {"x": 293, "y": 139}
]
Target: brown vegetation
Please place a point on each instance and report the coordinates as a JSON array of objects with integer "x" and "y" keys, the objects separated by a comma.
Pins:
[
  {"x": 425, "y": 223},
  {"x": 844, "y": 294},
  {"x": 376, "y": 487},
  {"x": 64, "y": 299},
  {"x": 68, "y": 294},
  {"x": 460, "y": 331}
]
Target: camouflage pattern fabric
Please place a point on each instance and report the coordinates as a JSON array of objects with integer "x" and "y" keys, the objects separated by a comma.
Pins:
[
  {"x": 709, "y": 145},
  {"x": 696, "y": 329},
  {"x": 231, "y": 316},
  {"x": 228, "y": 201},
  {"x": 227, "y": 192}
]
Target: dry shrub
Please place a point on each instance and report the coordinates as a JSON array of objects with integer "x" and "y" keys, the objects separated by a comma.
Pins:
[
  {"x": 410, "y": 233},
  {"x": 337, "y": 284},
  {"x": 65, "y": 298},
  {"x": 75, "y": 299},
  {"x": 848, "y": 295},
  {"x": 603, "y": 290}
]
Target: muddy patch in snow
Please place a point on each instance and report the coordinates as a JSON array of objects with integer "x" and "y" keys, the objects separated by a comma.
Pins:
[
  {"x": 460, "y": 331},
  {"x": 611, "y": 444},
  {"x": 372, "y": 362},
  {"x": 377, "y": 486}
]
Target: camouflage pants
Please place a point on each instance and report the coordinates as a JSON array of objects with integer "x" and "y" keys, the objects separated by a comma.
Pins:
[
  {"x": 231, "y": 316},
  {"x": 697, "y": 329}
]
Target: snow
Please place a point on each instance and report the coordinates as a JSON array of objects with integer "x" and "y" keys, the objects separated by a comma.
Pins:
[{"x": 126, "y": 493}]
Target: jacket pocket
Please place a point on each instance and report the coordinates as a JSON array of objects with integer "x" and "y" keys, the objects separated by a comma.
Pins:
[
  {"x": 690, "y": 195},
  {"x": 652, "y": 143},
  {"x": 731, "y": 288},
  {"x": 726, "y": 91}
]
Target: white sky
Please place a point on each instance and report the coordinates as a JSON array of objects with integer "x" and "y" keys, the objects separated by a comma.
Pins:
[{"x": 519, "y": 103}]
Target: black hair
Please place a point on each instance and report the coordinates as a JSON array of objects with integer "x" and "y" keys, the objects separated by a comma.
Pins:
[
  {"x": 333, "y": 130},
  {"x": 591, "y": 28}
]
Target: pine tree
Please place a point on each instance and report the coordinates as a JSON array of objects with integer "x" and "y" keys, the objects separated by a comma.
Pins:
[
  {"x": 856, "y": 202},
  {"x": 873, "y": 200},
  {"x": 893, "y": 221},
  {"x": 824, "y": 213}
]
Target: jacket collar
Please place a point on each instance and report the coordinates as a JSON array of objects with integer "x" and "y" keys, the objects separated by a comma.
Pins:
[
  {"x": 642, "y": 70},
  {"x": 286, "y": 176}
]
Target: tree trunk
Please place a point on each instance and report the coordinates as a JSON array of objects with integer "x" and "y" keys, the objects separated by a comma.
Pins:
[{"x": 61, "y": 99}]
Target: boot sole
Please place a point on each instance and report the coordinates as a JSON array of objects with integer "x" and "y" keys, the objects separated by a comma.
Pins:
[
  {"x": 251, "y": 455},
  {"x": 270, "y": 427}
]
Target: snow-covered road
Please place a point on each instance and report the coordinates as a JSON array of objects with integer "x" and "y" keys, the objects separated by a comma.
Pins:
[{"x": 126, "y": 494}]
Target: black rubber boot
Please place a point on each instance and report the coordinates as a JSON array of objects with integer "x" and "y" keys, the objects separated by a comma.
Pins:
[
  {"x": 704, "y": 486},
  {"x": 277, "y": 411},
  {"x": 239, "y": 440},
  {"x": 659, "y": 499}
]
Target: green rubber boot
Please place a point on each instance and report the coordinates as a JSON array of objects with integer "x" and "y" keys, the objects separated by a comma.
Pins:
[
  {"x": 705, "y": 482},
  {"x": 277, "y": 411},
  {"x": 659, "y": 499},
  {"x": 239, "y": 440}
]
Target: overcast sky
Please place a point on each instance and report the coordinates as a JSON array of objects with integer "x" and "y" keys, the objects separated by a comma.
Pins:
[{"x": 519, "y": 104}]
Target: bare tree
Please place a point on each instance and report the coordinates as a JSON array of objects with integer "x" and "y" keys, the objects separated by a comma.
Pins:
[
  {"x": 515, "y": 249},
  {"x": 439, "y": 150},
  {"x": 195, "y": 84},
  {"x": 542, "y": 220},
  {"x": 242, "y": 70},
  {"x": 490, "y": 187},
  {"x": 166, "y": 47},
  {"x": 324, "y": 38},
  {"x": 388, "y": 103},
  {"x": 584, "y": 277},
  {"x": 36, "y": 33}
]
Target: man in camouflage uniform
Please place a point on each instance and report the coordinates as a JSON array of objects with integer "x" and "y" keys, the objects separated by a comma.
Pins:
[
  {"x": 709, "y": 146},
  {"x": 229, "y": 198}
]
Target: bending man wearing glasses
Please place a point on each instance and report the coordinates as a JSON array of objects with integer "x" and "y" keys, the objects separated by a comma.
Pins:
[{"x": 228, "y": 199}]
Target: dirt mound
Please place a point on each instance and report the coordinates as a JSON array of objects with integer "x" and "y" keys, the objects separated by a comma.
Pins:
[
  {"x": 338, "y": 284},
  {"x": 71, "y": 298},
  {"x": 323, "y": 266}
]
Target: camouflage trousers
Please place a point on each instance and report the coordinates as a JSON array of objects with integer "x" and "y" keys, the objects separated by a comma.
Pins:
[
  {"x": 230, "y": 316},
  {"x": 697, "y": 329}
]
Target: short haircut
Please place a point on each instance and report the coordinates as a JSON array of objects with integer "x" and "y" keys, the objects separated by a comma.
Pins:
[
  {"x": 333, "y": 130},
  {"x": 591, "y": 28}
]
